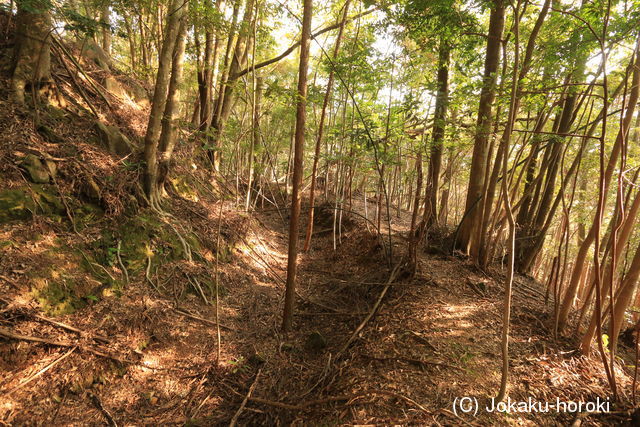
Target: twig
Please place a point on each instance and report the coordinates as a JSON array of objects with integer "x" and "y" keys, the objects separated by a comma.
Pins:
[
  {"x": 364, "y": 322},
  {"x": 234, "y": 420},
  {"x": 124, "y": 269},
  {"x": 201, "y": 319},
  {"x": 43, "y": 370},
  {"x": 107, "y": 415}
]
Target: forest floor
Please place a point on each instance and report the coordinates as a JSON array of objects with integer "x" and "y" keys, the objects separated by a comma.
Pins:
[{"x": 148, "y": 357}]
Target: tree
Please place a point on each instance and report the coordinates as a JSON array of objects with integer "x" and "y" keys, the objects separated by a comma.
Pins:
[
  {"x": 323, "y": 115},
  {"x": 471, "y": 219},
  {"x": 31, "y": 62},
  {"x": 301, "y": 116},
  {"x": 163, "y": 103}
]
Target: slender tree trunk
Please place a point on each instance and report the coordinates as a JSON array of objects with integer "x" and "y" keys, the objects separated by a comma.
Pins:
[
  {"x": 226, "y": 94},
  {"x": 439, "y": 124},
  {"x": 255, "y": 142},
  {"x": 567, "y": 301},
  {"x": 294, "y": 223}
]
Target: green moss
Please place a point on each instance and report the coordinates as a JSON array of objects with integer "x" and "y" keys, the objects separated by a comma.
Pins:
[
  {"x": 15, "y": 204},
  {"x": 185, "y": 188},
  {"x": 141, "y": 237},
  {"x": 56, "y": 298},
  {"x": 21, "y": 203},
  {"x": 86, "y": 214},
  {"x": 48, "y": 200}
]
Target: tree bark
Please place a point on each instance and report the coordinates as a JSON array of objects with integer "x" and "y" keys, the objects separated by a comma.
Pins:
[
  {"x": 105, "y": 20},
  {"x": 294, "y": 223},
  {"x": 168, "y": 137},
  {"x": 477, "y": 173},
  {"x": 439, "y": 125},
  {"x": 32, "y": 53},
  {"x": 160, "y": 95}
]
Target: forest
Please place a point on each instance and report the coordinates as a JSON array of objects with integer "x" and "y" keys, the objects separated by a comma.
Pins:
[{"x": 339, "y": 212}]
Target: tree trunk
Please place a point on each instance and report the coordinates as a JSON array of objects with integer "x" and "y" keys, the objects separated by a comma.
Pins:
[
  {"x": 225, "y": 96},
  {"x": 154, "y": 128},
  {"x": 470, "y": 221},
  {"x": 32, "y": 54},
  {"x": 301, "y": 113},
  {"x": 567, "y": 301},
  {"x": 105, "y": 20},
  {"x": 255, "y": 142},
  {"x": 168, "y": 137},
  {"x": 439, "y": 124}
]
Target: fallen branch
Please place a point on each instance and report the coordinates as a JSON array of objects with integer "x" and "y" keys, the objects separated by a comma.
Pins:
[
  {"x": 303, "y": 405},
  {"x": 42, "y": 371},
  {"x": 71, "y": 328},
  {"x": 413, "y": 361},
  {"x": 234, "y": 420},
  {"x": 8, "y": 334},
  {"x": 306, "y": 404},
  {"x": 373, "y": 311},
  {"x": 100, "y": 406},
  {"x": 202, "y": 319}
]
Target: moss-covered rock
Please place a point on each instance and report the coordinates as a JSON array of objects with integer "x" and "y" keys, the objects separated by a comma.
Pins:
[
  {"x": 37, "y": 171},
  {"x": 22, "y": 202},
  {"x": 114, "y": 140},
  {"x": 15, "y": 204}
]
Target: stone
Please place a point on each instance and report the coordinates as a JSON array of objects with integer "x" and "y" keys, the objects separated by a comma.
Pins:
[
  {"x": 21, "y": 203},
  {"x": 91, "y": 189},
  {"x": 15, "y": 204},
  {"x": 38, "y": 172},
  {"x": 93, "y": 52},
  {"x": 51, "y": 167},
  {"x": 316, "y": 341},
  {"x": 138, "y": 93},
  {"x": 113, "y": 86},
  {"x": 113, "y": 140}
]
